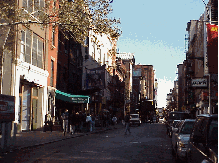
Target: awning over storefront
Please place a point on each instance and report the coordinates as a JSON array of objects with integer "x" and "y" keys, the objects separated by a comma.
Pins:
[{"x": 72, "y": 98}]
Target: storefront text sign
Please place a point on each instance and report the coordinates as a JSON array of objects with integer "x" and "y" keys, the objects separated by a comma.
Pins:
[
  {"x": 7, "y": 105},
  {"x": 199, "y": 83}
]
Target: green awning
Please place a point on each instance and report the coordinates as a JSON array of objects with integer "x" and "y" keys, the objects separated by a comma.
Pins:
[{"x": 72, "y": 98}]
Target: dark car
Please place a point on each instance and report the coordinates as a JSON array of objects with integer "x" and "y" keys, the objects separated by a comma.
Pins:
[
  {"x": 203, "y": 143},
  {"x": 176, "y": 115},
  {"x": 176, "y": 124}
]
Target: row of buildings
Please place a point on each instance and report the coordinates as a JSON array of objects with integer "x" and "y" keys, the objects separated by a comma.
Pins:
[
  {"x": 196, "y": 90},
  {"x": 47, "y": 72}
]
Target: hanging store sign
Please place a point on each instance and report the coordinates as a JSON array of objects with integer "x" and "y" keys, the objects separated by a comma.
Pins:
[
  {"x": 95, "y": 78},
  {"x": 212, "y": 31},
  {"x": 199, "y": 83},
  {"x": 7, "y": 108},
  {"x": 212, "y": 48}
]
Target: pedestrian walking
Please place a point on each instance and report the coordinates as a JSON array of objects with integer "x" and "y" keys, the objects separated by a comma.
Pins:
[
  {"x": 81, "y": 121},
  {"x": 93, "y": 121},
  {"x": 72, "y": 122},
  {"x": 151, "y": 119},
  {"x": 65, "y": 121},
  {"x": 89, "y": 124},
  {"x": 114, "y": 119},
  {"x": 77, "y": 123},
  {"x": 127, "y": 123}
]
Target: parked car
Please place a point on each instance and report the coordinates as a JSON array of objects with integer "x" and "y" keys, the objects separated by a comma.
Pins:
[
  {"x": 176, "y": 115},
  {"x": 161, "y": 119},
  {"x": 180, "y": 139},
  {"x": 175, "y": 126},
  {"x": 203, "y": 143},
  {"x": 154, "y": 119},
  {"x": 135, "y": 119}
]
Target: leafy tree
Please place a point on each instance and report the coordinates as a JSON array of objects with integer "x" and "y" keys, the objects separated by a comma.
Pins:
[{"x": 73, "y": 16}]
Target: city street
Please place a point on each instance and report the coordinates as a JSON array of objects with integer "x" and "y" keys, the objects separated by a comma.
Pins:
[{"x": 147, "y": 143}]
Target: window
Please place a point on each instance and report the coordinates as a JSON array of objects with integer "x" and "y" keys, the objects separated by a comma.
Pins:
[
  {"x": 213, "y": 132},
  {"x": 31, "y": 48},
  {"x": 59, "y": 70},
  {"x": 52, "y": 73},
  {"x": 33, "y": 5},
  {"x": 53, "y": 36}
]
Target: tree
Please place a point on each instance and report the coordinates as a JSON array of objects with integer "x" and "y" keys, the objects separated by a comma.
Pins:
[{"x": 74, "y": 16}]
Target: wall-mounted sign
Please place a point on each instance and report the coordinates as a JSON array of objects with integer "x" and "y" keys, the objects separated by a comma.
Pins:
[
  {"x": 95, "y": 78},
  {"x": 137, "y": 72},
  {"x": 7, "y": 108},
  {"x": 199, "y": 82}
]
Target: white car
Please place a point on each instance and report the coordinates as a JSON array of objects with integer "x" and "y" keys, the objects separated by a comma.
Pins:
[
  {"x": 161, "y": 120},
  {"x": 134, "y": 119}
]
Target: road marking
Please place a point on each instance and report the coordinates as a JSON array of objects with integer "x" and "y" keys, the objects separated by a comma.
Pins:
[{"x": 135, "y": 142}]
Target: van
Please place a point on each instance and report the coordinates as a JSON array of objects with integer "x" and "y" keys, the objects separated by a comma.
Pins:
[{"x": 135, "y": 119}]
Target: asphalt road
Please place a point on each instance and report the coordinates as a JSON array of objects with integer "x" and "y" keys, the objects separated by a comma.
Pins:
[{"x": 146, "y": 143}]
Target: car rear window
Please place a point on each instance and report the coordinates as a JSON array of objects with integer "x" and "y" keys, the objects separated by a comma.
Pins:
[
  {"x": 178, "y": 116},
  {"x": 134, "y": 116}
]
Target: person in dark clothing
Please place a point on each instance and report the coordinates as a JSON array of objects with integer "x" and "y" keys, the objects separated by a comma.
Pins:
[
  {"x": 93, "y": 117},
  {"x": 81, "y": 121},
  {"x": 151, "y": 119},
  {"x": 77, "y": 122},
  {"x": 127, "y": 123}
]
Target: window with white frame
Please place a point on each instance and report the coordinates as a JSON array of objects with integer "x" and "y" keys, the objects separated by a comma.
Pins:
[
  {"x": 33, "y": 5},
  {"x": 31, "y": 48}
]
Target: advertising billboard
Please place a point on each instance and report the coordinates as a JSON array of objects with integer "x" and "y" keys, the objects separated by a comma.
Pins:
[{"x": 7, "y": 108}]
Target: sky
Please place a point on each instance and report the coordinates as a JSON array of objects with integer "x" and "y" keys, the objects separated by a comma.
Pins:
[{"x": 155, "y": 32}]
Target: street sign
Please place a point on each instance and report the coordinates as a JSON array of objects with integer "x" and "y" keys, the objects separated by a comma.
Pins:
[{"x": 7, "y": 108}]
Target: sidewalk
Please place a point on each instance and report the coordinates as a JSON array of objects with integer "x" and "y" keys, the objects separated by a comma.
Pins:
[{"x": 37, "y": 138}]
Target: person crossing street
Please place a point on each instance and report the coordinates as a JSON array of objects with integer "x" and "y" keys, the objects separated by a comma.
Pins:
[
  {"x": 127, "y": 123},
  {"x": 65, "y": 121}
]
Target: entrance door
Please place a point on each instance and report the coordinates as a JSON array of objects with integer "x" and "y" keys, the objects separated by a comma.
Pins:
[
  {"x": 26, "y": 108},
  {"x": 34, "y": 107}
]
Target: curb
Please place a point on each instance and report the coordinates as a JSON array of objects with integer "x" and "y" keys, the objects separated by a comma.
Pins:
[{"x": 2, "y": 153}]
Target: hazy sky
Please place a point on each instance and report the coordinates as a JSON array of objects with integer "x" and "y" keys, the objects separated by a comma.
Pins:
[{"x": 155, "y": 32}]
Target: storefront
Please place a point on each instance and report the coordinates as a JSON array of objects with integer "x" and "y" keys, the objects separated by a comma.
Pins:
[
  {"x": 31, "y": 96},
  {"x": 71, "y": 102}
]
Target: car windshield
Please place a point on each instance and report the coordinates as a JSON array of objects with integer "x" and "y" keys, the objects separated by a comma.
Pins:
[
  {"x": 178, "y": 116},
  {"x": 175, "y": 124},
  {"x": 186, "y": 128},
  {"x": 213, "y": 132},
  {"x": 134, "y": 116}
]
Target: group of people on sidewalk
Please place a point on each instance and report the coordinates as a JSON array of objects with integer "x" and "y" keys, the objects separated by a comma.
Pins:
[{"x": 74, "y": 122}]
